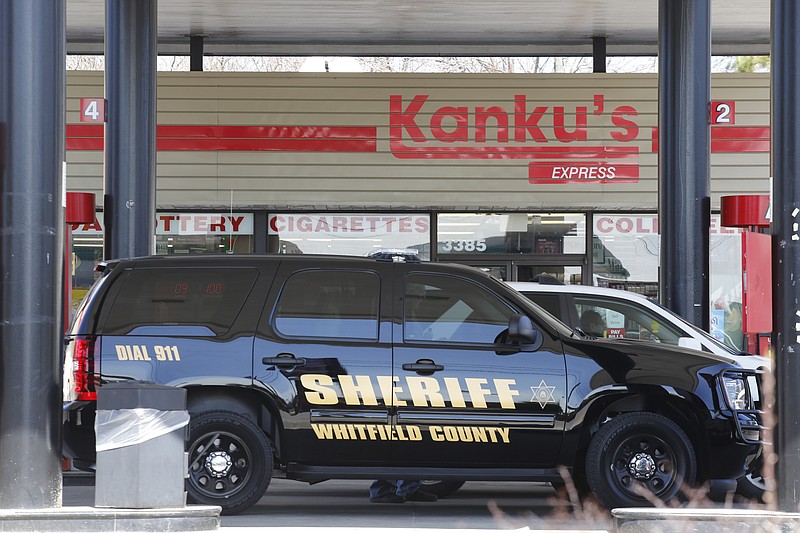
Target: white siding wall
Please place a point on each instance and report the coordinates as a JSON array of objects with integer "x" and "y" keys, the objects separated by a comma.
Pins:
[{"x": 379, "y": 180}]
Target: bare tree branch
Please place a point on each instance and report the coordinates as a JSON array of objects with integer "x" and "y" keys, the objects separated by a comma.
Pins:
[{"x": 434, "y": 64}]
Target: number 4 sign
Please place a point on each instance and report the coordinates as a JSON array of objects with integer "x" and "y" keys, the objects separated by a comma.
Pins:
[
  {"x": 93, "y": 110},
  {"x": 723, "y": 112}
]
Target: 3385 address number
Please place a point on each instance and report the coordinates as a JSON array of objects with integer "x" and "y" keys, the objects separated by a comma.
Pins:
[{"x": 478, "y": 245}]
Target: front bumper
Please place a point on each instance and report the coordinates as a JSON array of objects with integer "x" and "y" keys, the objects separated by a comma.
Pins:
[
  {"x": 734, "y": 433},
  {"x": 727, "y": 455},
  {"x": 748, "y": 420}
]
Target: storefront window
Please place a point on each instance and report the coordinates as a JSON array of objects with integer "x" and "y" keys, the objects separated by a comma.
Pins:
[
  {"x": 204, "y": 233},
  {"x": 513, "y": 233},
  {"x": 348, "y": 233},
  {"x": 87, "y": 251},
  {"x": 625, "y": 255},
  {"x": 725, "y": 286}
]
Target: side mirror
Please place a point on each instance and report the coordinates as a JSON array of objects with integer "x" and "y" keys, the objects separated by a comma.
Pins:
[
  {"x": 522, "y": 333},
  {"x": 690, "y": 342}
]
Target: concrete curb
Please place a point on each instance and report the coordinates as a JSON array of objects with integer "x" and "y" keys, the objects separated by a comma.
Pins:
[
  {"x": 641, "y": 520},
  {"x": 313, "y": 529},
  {"x": 97, "y": 519}
]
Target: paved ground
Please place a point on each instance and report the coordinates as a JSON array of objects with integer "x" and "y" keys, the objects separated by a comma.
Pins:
[
  {"x": 295, "y": 506},
  {"x": 343, "y": 506}
]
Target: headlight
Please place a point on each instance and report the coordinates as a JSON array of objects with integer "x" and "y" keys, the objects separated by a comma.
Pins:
[{"x": 736, "y": 389}]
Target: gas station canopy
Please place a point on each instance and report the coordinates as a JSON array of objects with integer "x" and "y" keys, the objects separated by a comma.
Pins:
[{"x": 421, "y": 27}]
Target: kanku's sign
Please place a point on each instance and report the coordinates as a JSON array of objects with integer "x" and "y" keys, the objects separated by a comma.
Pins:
[{"x": 560, "y": 153}]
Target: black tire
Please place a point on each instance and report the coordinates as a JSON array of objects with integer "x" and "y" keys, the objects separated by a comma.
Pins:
[
  {"x": 752, "y": 485},
  {"x": 442, "y": 489},
  {"x": 230, "y": 461},
  {"x": 635, "y": 451}
]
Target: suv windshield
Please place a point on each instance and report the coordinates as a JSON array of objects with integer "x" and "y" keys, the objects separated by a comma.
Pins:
[{"x": 706, "y": 336}]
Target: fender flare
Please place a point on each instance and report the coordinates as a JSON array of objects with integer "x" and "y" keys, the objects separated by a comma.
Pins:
[
  {"x": 682, "y": 407},
  {"x": 247, "y": 402}
]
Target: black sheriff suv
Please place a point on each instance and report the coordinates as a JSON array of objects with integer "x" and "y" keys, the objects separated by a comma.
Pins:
[{"x": 321, "y": 367}]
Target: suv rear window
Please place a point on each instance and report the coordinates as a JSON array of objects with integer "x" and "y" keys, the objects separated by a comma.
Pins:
[{"x": 201, "y": 301}]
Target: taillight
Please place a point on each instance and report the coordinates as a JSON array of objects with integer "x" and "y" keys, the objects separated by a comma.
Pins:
[{"x": 83, "y": 367}]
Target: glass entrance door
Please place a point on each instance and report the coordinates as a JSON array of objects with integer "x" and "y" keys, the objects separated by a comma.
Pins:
[
  {"x": 531, "y": 271},
  {"x": 499, "y": 269},
  {"x": 544, "y": 273}
]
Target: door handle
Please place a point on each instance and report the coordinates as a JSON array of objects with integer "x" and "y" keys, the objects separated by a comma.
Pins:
[
  {"x": 423, "y": 366},
  {"x": 284, "y": 360}
]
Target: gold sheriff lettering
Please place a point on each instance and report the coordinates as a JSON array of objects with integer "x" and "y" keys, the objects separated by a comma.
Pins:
[{"x": 415, "y": 391}]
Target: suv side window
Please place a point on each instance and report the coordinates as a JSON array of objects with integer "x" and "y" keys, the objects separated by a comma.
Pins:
[
  {"x": 443, "y": 308},
  {"x": 613, "y": 318},
  {"x": 329, "y": 304},
  {"x": 196, "y": 302}
]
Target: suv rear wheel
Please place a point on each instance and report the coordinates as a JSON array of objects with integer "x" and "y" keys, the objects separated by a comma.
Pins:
[
  {"x": 230, "y": 461},
  {"x": 637, "y": 457}
]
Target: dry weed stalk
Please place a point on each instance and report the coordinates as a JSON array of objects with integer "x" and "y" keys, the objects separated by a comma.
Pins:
[
  {"x": 769, "y": 457},
  {"x": 590, "y": 513}
]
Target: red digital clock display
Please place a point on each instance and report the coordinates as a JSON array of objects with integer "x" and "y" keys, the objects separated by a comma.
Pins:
[
  {"x": 211, "y": 288},
  {"x": 215, "y": 289}
]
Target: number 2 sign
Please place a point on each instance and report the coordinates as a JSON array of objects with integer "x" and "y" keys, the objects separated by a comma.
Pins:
[
  {"x": 723, "y": 112},
  {"x": 93, "y": 110}
]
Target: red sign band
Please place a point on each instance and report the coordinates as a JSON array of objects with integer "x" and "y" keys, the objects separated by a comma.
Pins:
[{"x": 583, "y": 172}]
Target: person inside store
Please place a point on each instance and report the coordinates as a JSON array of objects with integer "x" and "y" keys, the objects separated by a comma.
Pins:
[
  {"x": 398, "y": 491},
  {"x": 733, "y": 326},
  {"x": 732, "y": 329}
]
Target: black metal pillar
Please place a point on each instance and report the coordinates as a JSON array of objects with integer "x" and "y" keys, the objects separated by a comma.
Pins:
[
  {"x": 196, "y": 53},
  {"x": 684, "y": 204},
  {"x": 599, "y": 54},
  {"x": 130, "y": 155},
  {"x": 32, "y": 174},
  {"x": 785, "y": 120}
]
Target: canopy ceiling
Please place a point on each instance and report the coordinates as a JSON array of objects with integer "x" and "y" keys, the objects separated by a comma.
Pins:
[{"x": 422, "y": 27}]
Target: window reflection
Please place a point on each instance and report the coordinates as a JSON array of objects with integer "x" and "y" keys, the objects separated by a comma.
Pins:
[
  {"x": 512, "y": 233},
  {"x": 329, "y": 304},
  {"x": 357, "y": 234},
  {"x": 439, "y": 308},
  {"x": 625, "y": 255}
]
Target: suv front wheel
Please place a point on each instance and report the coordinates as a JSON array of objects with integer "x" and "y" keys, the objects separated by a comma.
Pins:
[
  {"x": 636, "y": 457},
  {"x": 230, "y": 461}
]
